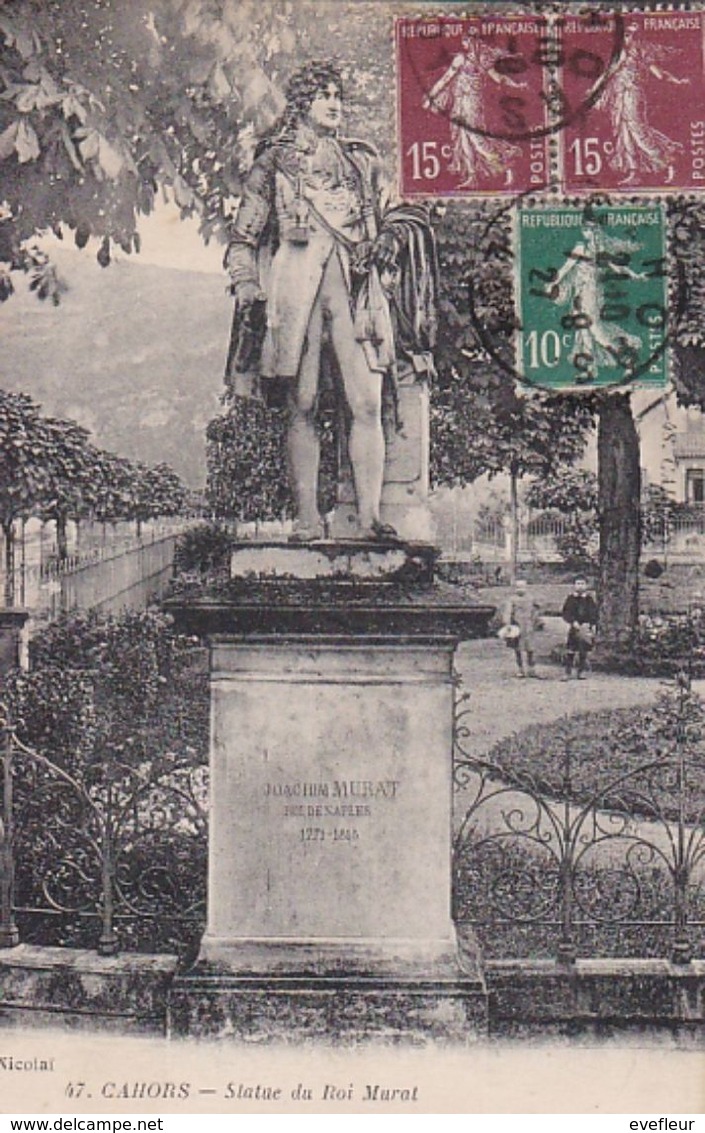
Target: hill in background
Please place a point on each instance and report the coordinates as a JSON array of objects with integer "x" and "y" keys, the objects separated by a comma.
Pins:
[{"x": 135, "y": 353}]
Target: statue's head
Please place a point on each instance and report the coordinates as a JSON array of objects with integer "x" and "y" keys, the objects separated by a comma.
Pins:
[{"x": 315, "y": 92}]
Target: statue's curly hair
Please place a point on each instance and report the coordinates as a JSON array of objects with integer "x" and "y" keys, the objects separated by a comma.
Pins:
[
  {"x": 305, "y": 84},
  {"x": 300, "y": 91}
]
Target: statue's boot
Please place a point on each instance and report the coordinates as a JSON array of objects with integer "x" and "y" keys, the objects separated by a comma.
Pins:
[
  {"x": 307, "y": 532},
  {"x": 379, "y": 532}
]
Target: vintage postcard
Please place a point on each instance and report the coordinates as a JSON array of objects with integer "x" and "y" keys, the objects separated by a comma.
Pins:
[{"x": 352, "y": 508}]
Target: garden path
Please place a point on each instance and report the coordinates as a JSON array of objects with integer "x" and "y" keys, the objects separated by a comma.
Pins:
[{"x": 502, "y": 704}]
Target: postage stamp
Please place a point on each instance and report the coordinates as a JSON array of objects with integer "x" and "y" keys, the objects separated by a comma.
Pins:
[
  {"x": 591, "y": 296},
  {"x": 644, "y": 129},
  {"x": 472, "y": 105}
]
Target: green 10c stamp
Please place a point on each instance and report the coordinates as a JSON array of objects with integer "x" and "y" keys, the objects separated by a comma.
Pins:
[{"x": 592, "y": 296}]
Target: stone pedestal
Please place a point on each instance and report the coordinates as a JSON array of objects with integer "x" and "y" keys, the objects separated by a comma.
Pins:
[
  {"x": 329, "y": 905},
  {"x": 330, "y": 765}
]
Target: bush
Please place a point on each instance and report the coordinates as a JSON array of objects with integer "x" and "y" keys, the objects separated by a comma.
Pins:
[
  {"x": 54, "y": 712},
  {"x": 665, "y": 644},
  {"x": 580, "y": 757},
  {"x": 205, "y": 549},
  {"x": 122, "y": 705},
  {"x": 576, "y": 542}
]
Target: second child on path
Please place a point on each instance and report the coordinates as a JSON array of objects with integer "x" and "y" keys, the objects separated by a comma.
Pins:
[{"x": 580, "y": 612}]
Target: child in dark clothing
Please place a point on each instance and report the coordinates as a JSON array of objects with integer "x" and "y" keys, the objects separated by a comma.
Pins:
[{"x": 580, "y": 612}]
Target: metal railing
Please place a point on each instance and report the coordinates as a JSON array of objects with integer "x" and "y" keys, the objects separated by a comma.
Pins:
[
  {"x": 97, "y": 575},
  {"x": 91, "y": 855},
  {"x": 489, "y": 539},
  {"x": 601, "y": 864}
]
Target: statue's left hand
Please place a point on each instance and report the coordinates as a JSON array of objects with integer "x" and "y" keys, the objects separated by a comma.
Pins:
[{"x": 385, "y": 251}]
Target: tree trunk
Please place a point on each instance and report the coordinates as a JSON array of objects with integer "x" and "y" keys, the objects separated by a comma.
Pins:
[
  {"x": 514, "y": 524},
  {"x": 9, "y": 537},
  {"x": 62, "y": 549},
  {"x": 619, "y": 490}
]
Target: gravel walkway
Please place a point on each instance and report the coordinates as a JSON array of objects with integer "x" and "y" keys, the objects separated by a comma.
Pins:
[{"x": 502, "y": 704}]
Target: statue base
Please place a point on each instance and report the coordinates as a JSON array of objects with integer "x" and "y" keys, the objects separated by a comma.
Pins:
[
  {"x": 329, "y": 894},
  {"x": 334, "y": 991}
]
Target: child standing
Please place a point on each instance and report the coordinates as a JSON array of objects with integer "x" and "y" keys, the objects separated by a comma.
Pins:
[
  {"x": 580, "y": 612},
  {"x": 523, "y": 612}
]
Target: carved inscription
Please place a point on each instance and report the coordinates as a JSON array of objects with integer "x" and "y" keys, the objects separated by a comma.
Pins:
[{"x": 336, "y": 799}]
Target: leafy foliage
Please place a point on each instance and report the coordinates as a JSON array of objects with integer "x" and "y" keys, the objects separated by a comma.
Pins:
[
  {"x": 130, "y": 655},
  {"x": 25, "y": 457},
  {"x": 658, "y": 511},
  {"x": 105, "y": 103},
  {"x": 121, "y": 705},
  {"x": 246, "y": 462},
  {"x": 156, "y": 491},
  {"x": 573, "y": 496},
  {"x": 55, "y": 712},
  {"x": 573, "y": 490},
  {"x": 666, "y": 643},
  {"x": 49, "y": 468},
  {"x": 483, "y": 423},
  {"x": 204, "y": 549}
]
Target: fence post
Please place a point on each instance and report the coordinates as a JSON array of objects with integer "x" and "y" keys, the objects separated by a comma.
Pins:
[
  {"x": 682, "y": 952},
  {"x": 9, "y": 933},
  {"x": 566, "y": 953},
  {"x": 108, "y": 942}
]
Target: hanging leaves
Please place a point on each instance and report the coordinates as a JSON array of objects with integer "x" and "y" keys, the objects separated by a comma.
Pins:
[
  {"x": 109, "y": 160},
  {"x": 26, "y": 142},
  {"x": 103, "y": 253},
  {"x": 7, "y": 141}
]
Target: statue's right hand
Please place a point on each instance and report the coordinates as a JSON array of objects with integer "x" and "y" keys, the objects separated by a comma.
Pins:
[{"x": 247, "y": 292}]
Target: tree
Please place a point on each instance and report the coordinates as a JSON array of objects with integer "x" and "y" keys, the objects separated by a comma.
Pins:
[
  {"x": 572, "y": 493},
  {"x": 487, "y": 280},
  {"x": 104, "y": 103},
  {"x": 26, "y": 465},
  {"x": 98, "y": 109},
  {"x": 114, "y": 488},
  {"x": 246, "y": 455},
  {"x": 156, "y": 491},
  {"x": 73, "y": 477},
  {"x": 619, "y": 464},
  {"x": 482, "y": 422}
]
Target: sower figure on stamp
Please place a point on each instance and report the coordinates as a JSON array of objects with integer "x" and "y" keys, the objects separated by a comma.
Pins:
[
  {"x": 311, "y": 247},
  {"x": 580, "y": 612}
]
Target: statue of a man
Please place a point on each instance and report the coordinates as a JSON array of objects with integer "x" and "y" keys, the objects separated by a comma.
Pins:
[{"x": 310, "y": 263}]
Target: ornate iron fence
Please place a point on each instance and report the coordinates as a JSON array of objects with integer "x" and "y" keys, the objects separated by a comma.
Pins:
[
  {"x": 114, "y": 858},
  {"x": 568, "y": 870}
]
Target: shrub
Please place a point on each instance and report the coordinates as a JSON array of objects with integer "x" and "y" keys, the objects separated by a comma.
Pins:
[
  {"x": 122, "y": 705},
  {"x": 580, "y": 757},
  {"x": 664, "y": 644},
  {"x": 204, "y": 549},
  {"x": 54, "y": 711}
]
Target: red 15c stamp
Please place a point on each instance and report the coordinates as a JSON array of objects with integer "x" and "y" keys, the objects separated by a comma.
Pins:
[
  {"x": 483, "y": 100},
  {"x": 646, "y": 128},
  {"x": 471, "y": 105}
]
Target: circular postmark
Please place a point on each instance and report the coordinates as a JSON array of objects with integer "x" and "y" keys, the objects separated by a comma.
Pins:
[
  {"x": 588, "y": 287},
  {"x": 500, "y": 77}
]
